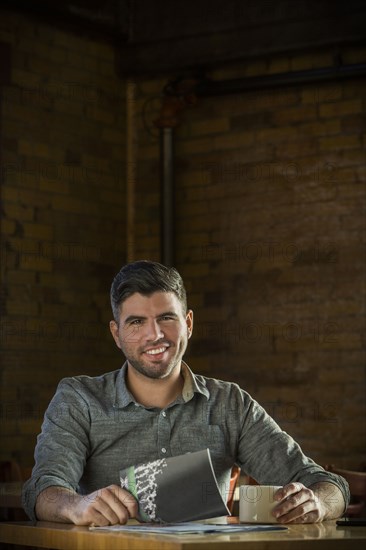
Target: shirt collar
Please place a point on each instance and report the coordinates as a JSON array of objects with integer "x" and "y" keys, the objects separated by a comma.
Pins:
[
  {"x": 191, "y": 386},
  {"x": 123, "y": 396}
]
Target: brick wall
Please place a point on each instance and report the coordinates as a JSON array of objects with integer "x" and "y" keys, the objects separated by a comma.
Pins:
[
  {"x": 63, "y": 211},
  {"x": 270, "y": 214}
]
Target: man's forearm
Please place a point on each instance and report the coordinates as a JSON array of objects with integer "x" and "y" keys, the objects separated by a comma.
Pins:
[
  {"x": 331, "y": 498},
  {"x": 55, "y": 504},
  {"x": 105, "y": 506}
]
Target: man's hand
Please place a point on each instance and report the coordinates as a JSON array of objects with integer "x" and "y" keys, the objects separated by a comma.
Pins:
[
  {"x": 299, "y": 504},
  {"x": 106, "y": 506}
]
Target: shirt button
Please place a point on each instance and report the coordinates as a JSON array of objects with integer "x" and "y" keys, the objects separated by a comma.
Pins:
[
  {"x": 164, "y": 414},
  {"x": 163, "y": 450}
]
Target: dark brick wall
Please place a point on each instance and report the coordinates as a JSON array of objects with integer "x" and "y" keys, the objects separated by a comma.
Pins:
[
  {"x": 270, "y": 216},
  {"x": 270, "y": 232},
  {"x": 63, "y": 218}
]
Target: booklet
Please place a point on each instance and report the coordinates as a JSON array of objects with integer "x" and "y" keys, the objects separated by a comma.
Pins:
[
  {"x": 175, "y": 489},
  {"x": 190, "y": 528}
]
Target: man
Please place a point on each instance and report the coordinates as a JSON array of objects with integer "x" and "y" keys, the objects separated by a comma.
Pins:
[{"x": 155, "y": 407}]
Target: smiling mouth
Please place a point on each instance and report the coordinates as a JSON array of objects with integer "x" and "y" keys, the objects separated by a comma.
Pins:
[{"x": 156, "y": 351}]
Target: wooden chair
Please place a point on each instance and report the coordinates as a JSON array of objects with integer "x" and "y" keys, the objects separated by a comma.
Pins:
[
  {"x": 11, "y": 479},
  {"x": 235, "y": 473},
  {"x": 10, "y": 471},
  {"x": 357, "y": 487}
]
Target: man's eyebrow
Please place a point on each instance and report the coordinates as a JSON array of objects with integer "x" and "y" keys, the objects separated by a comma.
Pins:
[
  {"x": 168, "y": 314},
  {"x": 133, "y": 318}
]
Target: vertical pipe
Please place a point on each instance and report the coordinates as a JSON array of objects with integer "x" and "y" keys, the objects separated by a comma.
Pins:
[
  {"x": 167, "y": 196},
  {"x": 130, "y": 170},
  {"x": 168, "y": 120}
]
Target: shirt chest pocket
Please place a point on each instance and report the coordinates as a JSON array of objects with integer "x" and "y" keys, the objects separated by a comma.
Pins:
[{"x": 195, "y": 438}]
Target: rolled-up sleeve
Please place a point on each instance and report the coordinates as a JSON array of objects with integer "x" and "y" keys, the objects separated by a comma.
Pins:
[{"x": 62, "y": 446}]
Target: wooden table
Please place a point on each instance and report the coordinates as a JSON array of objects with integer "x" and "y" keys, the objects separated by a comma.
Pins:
[{"x": 320, "y": 536}]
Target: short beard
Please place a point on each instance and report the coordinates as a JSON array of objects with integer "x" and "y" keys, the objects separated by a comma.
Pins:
[{"x": 149, "y": 372}]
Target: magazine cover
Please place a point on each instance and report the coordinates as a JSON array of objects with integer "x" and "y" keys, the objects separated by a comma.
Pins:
[{"x": 175, "y": 489}]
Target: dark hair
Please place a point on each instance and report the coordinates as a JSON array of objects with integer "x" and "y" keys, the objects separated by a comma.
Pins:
[{"x": 146, "y": 277}]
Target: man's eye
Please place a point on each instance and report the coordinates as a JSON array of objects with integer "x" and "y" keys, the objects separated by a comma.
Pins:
[
  {"x": 136, "y": 322},
  {"x": 167, "y": 318}
]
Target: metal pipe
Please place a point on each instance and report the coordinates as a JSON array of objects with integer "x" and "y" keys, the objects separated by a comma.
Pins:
[
  {"x": 211, "y": 88},
  {"x": 167, "y": 196},
  {"x": 130, "y": 169},
  {"x": 167, "y": 121}
]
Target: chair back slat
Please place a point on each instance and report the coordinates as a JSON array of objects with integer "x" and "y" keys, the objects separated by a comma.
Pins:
[{"x": 357, "y": 486}]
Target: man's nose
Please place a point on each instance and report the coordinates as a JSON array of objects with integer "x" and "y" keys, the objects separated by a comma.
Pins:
[{"x": 154, "y": 331}]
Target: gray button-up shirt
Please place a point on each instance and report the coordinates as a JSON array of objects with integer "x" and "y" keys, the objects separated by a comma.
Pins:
[{"x": 93, "y": 428}]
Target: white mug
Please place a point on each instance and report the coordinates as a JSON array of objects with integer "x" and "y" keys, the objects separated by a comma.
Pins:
[{"x": 256, "y": 503}]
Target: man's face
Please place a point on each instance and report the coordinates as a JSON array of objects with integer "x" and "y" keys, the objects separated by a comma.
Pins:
[{"x": 153, "y": 332}]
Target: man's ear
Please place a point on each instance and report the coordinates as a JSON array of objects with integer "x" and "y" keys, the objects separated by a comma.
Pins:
[
  {"x": 189, "y": 321},
  {"x": 113, "y": 327}
]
